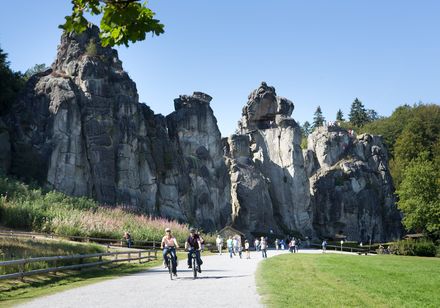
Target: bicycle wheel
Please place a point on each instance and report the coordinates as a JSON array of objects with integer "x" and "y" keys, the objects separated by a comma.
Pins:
[
  {"x": 170, "y": 269},
  {"x": 195, "y": 266}
]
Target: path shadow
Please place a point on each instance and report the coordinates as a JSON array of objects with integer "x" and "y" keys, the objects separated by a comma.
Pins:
[{"x": 211, "y": 277}]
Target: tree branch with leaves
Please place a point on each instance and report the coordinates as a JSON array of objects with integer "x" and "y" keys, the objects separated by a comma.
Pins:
[{"x": 122, "y": 21}]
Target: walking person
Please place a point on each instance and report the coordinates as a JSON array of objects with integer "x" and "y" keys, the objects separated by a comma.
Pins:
[
  {"x": 219, "y": 242},
  {"x": 263, "y": 247},
  {"x": 324, "y": 246},
  {"x": 277, "y": 244},
  {"x": 127, "y": 237},
  {"x": 230, "y": 245},
  {"x": 240, "y": 247},
  {"x": 257, "y": 244},
  {"x": 293, "y": 245},
  {"x": 246, "y": 249},
  {"x": 298, "y": 242},
  {"x": 235, "y": 244}
]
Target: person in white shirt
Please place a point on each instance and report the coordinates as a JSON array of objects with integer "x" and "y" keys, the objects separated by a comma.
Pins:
[
  {"x": 169, "y": 245},
  {"x": 219, "y": 242}
]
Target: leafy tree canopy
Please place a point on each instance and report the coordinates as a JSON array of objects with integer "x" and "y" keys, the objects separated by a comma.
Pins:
[
  {"x": 122, "y": 21},
  {"x": 419, "y": 196},
  {"x": 10, "y": 83}
]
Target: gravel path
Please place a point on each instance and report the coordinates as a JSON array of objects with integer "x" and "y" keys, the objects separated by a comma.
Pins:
[{"x": 224, "y": 282}]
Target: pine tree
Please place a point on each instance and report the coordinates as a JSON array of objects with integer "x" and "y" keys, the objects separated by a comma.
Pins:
[
  {"x": 306, "y": 128},
  {"x": 372, "y": 115},
  {"x": 318, "y": 118},
  {"x": 358, "y": 115},
  {"x": 340, "y": 116}
]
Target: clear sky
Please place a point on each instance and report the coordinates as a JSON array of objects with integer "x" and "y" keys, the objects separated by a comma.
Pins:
[{"x": 324, "y": 53}]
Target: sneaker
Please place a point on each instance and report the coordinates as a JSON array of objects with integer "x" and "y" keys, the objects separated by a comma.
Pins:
[
  {"x": 199, "y": 269},
  {"x": 190, "y": 266}
]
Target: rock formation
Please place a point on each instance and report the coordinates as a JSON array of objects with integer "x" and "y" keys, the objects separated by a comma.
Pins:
[
  {"x": 351, "y": 186},
  {"x": 273, "y": 163},
  {"x": 79, "y": 128}
]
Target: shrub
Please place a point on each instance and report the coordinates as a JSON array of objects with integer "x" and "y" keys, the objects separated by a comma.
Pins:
[{"x": 422, "y": 248}]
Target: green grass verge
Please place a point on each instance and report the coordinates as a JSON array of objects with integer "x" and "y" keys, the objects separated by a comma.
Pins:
[{"x": 309, "y": 280}]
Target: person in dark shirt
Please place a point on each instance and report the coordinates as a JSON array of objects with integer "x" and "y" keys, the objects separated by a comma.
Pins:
[{"x": 193, "y": 244}]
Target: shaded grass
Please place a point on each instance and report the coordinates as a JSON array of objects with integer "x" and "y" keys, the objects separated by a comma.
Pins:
[
  {"x": 346, "y": 280},
  {"x": 12, "y": 248}
]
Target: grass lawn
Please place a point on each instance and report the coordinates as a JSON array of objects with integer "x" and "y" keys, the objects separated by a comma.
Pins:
[{"x": 310, "y": 280}]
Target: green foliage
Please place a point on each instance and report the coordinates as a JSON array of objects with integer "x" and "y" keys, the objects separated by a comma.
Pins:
[
  {"x": 419, "y": 196},
  {"x": 421, "y": 248},
  {"x": 358, "y": 115},
  {"x": 318, "y": 118},
  {"x": 122, "y": 21},
  {"x": 340, "y": 115},
  {"x": 306, "y": 128},
  {"x": 91, "y": 48},
  {"x": 25, "y": 208},
  {"x": 11, "y": 84},
  {"x": 335, "y": 280},
  {"x": 37, "y": 68}
]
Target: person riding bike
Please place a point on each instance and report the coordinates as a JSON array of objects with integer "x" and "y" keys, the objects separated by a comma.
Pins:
[
  {"x": 193, "y": 244},
  {"x": 169, "y": 245}
]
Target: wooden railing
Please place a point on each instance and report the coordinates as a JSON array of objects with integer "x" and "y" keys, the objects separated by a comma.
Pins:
[
  {"x": 98, "y": 259},
  {"x": 141, "y": 244},
  {"x": 345, "y": 248}
]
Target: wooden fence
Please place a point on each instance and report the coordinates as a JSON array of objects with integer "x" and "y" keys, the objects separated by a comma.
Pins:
[
  {"x": 98, "y": 259},
  {"x": 345, "y": 248},
  {"x": 140, "y": 244}
]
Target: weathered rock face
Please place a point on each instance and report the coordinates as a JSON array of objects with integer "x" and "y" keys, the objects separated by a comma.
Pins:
[
  {"x": 273, "y": 163},
  {"x": 80, "y": 128},
  {"x": 351, "y": 187}
]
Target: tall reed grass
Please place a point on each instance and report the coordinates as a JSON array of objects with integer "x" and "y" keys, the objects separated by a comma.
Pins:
[{"x": 27, "y": 208}]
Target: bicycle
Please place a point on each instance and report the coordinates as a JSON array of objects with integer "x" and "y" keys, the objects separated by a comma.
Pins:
[
  {"x": 169, "y": 263},
  {"x": 195, "y": 266}
]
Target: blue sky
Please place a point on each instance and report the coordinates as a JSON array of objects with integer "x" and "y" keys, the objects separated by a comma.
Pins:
[{"x": 324, "y": 53}]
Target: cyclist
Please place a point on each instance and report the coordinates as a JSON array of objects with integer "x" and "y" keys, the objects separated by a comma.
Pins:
[
  {"x": 193, "y": 244},
  {"x": 169, "y": 245}
]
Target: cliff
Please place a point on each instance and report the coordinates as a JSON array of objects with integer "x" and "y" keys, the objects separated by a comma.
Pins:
[{"x": 79, "y": 128}]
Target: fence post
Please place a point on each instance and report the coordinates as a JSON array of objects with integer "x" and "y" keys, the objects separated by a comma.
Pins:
[
  {"x": 129, "y": 257},
  {"x": 21, "y": 269},
  {"x": 140, "y": 255},
  {"x": 154, "y": 244}
]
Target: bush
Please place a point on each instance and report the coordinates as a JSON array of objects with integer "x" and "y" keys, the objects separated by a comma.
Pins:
[{"x": 422, "y": 248}]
